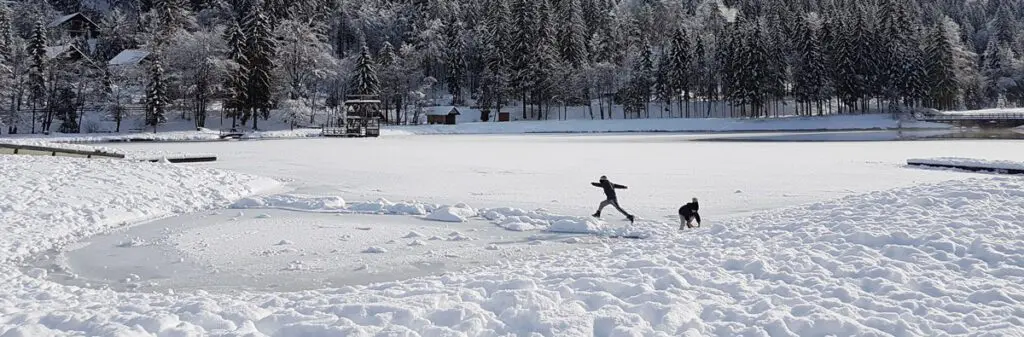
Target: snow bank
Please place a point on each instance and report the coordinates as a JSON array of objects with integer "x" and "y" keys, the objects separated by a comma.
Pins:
[
  {"x": 970, "y": 162},
  {"x": 858, "y": 122},
  {"x": 292, "y": 202},
  {"x": 331, "y": 204},
  {"x": 457, "y": 213}
]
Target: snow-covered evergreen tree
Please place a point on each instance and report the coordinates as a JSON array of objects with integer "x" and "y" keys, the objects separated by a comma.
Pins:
[
  {"x": 156, "y": 95},
  {"x": 943, "y": 86},
  {"x": 680, "y": 67},
  {"x": 365, "y": 81},
  {"x": 456, "y": 62},
  {"x": 260, "y": 49},
  {"x": 37, "y": 70},
  {"x": 572, "y": 33}
]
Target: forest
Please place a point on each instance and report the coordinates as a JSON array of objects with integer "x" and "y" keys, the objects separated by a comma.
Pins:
[{"x": 244, "y": 59}]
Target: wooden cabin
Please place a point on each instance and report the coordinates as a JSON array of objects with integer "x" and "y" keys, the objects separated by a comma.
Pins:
[{"x": 443, "y": 115}]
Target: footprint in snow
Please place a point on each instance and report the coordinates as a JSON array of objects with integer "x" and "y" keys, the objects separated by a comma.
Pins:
[
  {"x": 364, "y": 228},
  {"x": 284, "y": 243}
]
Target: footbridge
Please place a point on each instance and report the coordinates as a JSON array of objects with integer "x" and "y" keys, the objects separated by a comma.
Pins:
[{"x": 984, "y": 120}]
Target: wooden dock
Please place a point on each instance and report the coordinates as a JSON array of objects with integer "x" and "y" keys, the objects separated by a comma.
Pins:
[
  {"x": 982, "y": 120},
  {"x": 184, "y": 159},
  {"x": 972, "y": 168},
  {"x": 34, "y": 150},
  {"x": 54, "y": 151}
]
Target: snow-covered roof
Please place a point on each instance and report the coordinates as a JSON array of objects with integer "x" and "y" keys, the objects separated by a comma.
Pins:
[
  {"x": 129, "y": 57},
  {"x": 362, "y": 101},
  {"x": 441, "y": 110},
  {"x": 61, "y": 20},
  {"x": 52, "y": 52}
]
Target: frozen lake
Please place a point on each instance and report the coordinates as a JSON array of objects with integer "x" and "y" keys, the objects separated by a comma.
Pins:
[{"x": 554, "y": 171}]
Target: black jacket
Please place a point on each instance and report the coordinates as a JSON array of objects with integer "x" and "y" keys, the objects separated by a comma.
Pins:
[
  {"x": 608, "y": 187},
  {"x": 689, "y": 209}
]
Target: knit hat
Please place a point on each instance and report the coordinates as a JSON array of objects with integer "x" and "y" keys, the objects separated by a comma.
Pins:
[{"x": 604, "y": 178}]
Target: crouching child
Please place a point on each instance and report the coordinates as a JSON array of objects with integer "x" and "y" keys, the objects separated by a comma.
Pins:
[{"x": 688, "y": 215}]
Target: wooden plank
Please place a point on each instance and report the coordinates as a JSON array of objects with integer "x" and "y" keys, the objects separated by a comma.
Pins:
[
  {"x": 186, "y": 159},
  {"x": 53, "y": 151},
  {"x": 966, "y": 167}
]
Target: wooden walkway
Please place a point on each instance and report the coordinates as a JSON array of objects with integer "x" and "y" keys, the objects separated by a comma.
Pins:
[
  {"x": 993, "y": 120},
  {"x": 18, "y": 149},
  {"x": 965, "y": 167},
  {"x": 54, "y": 151}
]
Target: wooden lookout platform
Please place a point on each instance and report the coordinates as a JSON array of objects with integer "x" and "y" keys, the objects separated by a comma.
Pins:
[{"x": 983, "y": 120}]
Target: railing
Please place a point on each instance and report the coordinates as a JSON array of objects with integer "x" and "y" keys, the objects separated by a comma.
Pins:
[
  {"x": 54, "y": 151},
  {"x": 975, "y": 117}
]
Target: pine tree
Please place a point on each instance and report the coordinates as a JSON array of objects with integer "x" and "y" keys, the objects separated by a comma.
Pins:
[
  {"x": 365, "y": 81},
  {"x": 681, "y": 65},
  {"x": 809, "y": 75},
  {"x": 156, "y": 96},
  {"x": 523, "y": 49},
  {"x": 572, "y": 35},
  {"x": 941, "y": 70},
  {"x": 663, "y": 87},
  {"x": 456, "y": 62},
  {"x": 543, "y": 68},
  {"x": 37, "y": 69},
  {"x": 6, "y": 34},
  {"x": 238, "y": 76},
  {"x": 259, "y": 62}
]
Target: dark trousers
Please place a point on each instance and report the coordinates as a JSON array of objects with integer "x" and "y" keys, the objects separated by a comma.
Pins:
[{"x": 613, "y": 202}]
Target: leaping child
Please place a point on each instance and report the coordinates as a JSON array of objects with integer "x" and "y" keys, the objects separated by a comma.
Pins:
[{"x": 610, "y": 198}]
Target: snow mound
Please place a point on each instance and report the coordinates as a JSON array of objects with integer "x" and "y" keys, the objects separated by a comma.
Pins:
[
  {"x": 413, "y": 234},
  {"x": 292, "y": 202},
  {"x": 457, "y": 213},
  {"x": 581, "y": 226},
  {"x": 332, "y": 204},
  {"x": 994, "y": 165},
  {"x": 384, "y": 206},
  {"x": 375, "y": 250},
  {"x": 515, "y": 219}
]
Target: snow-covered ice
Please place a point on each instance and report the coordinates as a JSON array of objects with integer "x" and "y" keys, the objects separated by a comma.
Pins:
[{"x": 838, "y": 240}]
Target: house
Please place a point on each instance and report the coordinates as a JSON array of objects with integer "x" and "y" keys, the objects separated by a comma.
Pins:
[
  {"x": 66, "y": 52},
  {"x": 75, "y": 25},
  {"x": 129, "y": 58},
  {"x": 442, "y": 115}
]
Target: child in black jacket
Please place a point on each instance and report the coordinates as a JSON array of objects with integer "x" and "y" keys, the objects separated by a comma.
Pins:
[
  {"x": 610, "y": 198},
  {"x": 688, "y": 213}
]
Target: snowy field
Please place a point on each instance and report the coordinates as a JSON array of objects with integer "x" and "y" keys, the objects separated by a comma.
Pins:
[{"x": 799, "y": 239}]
